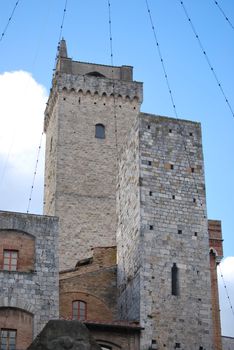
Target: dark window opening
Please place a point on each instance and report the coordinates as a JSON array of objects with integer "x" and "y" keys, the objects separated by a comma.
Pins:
[
  {"x": 8, "y": 339},
  {"x": 148, "y": 126},
  {"x": 99, "y": 131},
  {"x": 171, "y": 166},
  {"x": 170, "y": 131},
  {"x": 173, "y": 196},
  {"x": 190, "y": 134},
  {"x": 179, "y": 232},
  {"x": 51, "y": 144},
  {"x": 177, "y": 345},
  {"x": 96, "y": 74},
  {"x": 149, "y": 162},
  {"x": 79, "y": 310},
  {"x": 150, "y": 193},
  {"x": 194, "y": 200},
  {"x": 151, "y": 227},
  {"x": 192, "y": 170},
  {"x": 174, "y": 280},
  {"x": 195, "y": 234}
]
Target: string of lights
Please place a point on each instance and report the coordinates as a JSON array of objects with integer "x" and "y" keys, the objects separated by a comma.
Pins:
[
  {"x": 60, "y": 32},
  {"x": 9, "y": 21},
  {"x": 181, "y": 129},
  {"x": 161, "y": 59},
  {"x": 207, "y": 58},
  {"x": 115, "y": 117},
  {"x": 40, "y": 145},
  {"x": 226, "y": 290},
  {"x": 224, "y": 14},
  {"x": 35, "y": 173}
]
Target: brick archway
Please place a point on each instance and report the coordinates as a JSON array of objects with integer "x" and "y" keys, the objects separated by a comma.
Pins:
[{"x": 21, "y": 322}]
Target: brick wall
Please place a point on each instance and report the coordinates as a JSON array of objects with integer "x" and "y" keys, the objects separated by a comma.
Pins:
[
  {"x": 216, "y": 254},
  {"x": 11, "y": 318},
  {"x": 21, "y": 242},
  {"x": 94, "y": 282},
  {"x": 116, "y": 336}
]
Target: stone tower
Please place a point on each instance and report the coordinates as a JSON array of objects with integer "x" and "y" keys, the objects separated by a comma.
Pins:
[
  {"x": 90, "y": 110},
  {"x": 162, "y": 237},
  {"x": 115, "y": 176}
]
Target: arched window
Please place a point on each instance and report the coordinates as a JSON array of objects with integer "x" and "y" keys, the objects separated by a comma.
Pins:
[
  {"x": 174, "y": 280},
  {"x": 79, "y": 310},
  {"x": 99, "y": 131}
]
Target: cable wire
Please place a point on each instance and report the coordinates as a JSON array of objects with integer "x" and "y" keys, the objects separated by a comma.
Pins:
[
  {"x": 39, "y": 149},
  {"x": 224, "y": 14},
  {"x": 60, "y": 33},
  {"x": 226, "y": 290},
  {"x": 35, "y": 173},
  {"x": 9, "y": 20},
  {"x": 116, "y": 130},
  {"x": 181, "y": 129},
  {"x": 207, "y": 58},
  {"x": 161, "y": 59}
]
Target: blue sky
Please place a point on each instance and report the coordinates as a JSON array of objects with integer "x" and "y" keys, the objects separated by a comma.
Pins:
[{"x": 30, "y": 45}]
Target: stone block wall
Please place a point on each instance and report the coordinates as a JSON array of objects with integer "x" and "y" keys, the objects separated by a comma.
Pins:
[
  {"x": 80, "y": 180},
  {"x": 128, "y": 238},
  {"x": 34, "y": 291},
  {"x": 175, "y": 231},
  {"x": 171, "y": 209}
]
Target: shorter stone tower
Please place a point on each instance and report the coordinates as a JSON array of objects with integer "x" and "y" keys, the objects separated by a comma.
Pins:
[
  {"x": 90, "y": 111},
  {"x": 162, "y": 237}
]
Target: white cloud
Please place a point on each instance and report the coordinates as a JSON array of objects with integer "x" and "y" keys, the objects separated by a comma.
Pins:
[
  {"x": 21, "y": 124},
  {"x": 227, "y": 314}
]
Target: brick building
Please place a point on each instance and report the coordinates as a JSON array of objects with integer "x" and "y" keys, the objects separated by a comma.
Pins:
[
  {"x": 137, "y": 254},
  {"x": 28, "y": 277}
]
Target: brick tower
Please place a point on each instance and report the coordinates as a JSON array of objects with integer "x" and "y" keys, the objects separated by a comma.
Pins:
[{"x": 90, "y": 111}]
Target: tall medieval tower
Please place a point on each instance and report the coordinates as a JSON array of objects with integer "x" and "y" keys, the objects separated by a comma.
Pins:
[
  {"x": 115, "y": 176},
  {"x": 90, "y": 111}
]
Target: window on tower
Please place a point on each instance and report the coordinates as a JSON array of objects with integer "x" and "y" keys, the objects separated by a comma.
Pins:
[
  {"x": 79, "y": 310},
  {"x": 174, "y": 280},
  {"x": 99, "y": 131}
]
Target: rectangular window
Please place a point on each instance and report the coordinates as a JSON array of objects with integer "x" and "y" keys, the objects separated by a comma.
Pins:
[
  {"x": 79, "y": 310},
  {"x": 10, "y": 260},
  {"x": 8, "y": 339},
  {"x": 174, "y": 280}
]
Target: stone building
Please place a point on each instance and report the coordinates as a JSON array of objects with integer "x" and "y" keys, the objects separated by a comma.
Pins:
[
  {"x": 28, "y": 277},
  {"x": 137, "y": 254}
]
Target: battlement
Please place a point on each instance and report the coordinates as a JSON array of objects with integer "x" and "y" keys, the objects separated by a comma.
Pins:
[{"x": 68, "y": 66}]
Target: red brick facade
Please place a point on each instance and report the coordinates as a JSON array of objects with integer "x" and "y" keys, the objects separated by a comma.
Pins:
[
  {"x": 216, "y": 253},
  {"x": 22, "y": 243},
  {"x": 19, "y": 320}
]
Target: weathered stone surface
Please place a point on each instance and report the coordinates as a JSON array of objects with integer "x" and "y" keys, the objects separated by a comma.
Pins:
[
  {"x": 161, "y": 172},
  {"x": 34, "y": 288},
  {"x": 69, "y": 335},
  {"x": 80, "y": 172}
]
